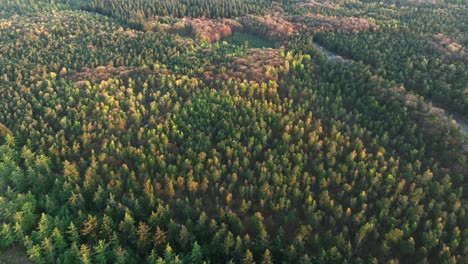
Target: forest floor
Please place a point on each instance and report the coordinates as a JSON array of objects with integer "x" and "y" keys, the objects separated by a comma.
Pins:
[
  {"x": 330, "y": 55},
  {"x": 14, "y": 255}
]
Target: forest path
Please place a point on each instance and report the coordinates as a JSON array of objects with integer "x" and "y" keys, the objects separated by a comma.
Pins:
[{"x": 331, "y": 56}]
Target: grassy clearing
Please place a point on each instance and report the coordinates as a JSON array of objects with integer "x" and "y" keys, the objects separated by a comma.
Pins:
[{"x": 240, "y": 39}]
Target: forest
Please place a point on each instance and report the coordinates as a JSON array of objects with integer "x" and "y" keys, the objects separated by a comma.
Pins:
[{"x": 233, "y": 131}]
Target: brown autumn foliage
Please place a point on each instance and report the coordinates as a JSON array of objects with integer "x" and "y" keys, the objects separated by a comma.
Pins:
[
  {"x": 4, "y": 131},
  {"x": 272, "y": 27},
  {"x": 447, "y": 46},
  {"x": 161, "y": 23},
  {"x": 315, "y": 4},
  {"x": 318, "y": 22},
  {"x": 5, "y": 24},
  {"x": 210, "y": 30},
  {"x": 259, "y": 65}
]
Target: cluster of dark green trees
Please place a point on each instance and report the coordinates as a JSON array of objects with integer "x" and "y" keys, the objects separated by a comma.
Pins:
[
  {"x": 403, "y": 50},
  {"x": 408, "y": 60},
  {"x": 142, "y": 9},
  {"x": 159, "y": 165}
]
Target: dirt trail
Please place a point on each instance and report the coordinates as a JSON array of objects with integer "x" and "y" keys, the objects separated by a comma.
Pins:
[{"x": 461, "y": 121}]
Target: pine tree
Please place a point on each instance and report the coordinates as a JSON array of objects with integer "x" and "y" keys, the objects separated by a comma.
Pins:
[
  {"x": 169, "y": 256},
  {"x": 196, "y": 255},
  {"x": 266, "y": 259},
  {"x": 107, "y": 226},
  {"x": 229, "y": 243},
  {"x": 49, "y": 249},
  {"x": 58, "y": 240},
  {"x": 127, "y": 227},
  {"x": 6, "y": 236},
  {"x": 72, "y": 232},
  {"x": 85, "y": 254},
  {"x": 186, "y": 237},
  {"x": 35, "y": 254},
  {"x": 101, "y": 252},
  {"x": 143, "y": 236},
  {"x": 248, "y": 258},
  {"x": 71, "y": 255},
  {"x": 120, "y": 255},
  {"x": 44, "y": 227},
  {"x": 90, "y": 226},
  {"x": 159, "y": 237}
]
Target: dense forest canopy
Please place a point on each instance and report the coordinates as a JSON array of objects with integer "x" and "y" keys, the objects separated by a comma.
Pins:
[
  {"x": 142, "y": 9},
  {"x": 216, "y": 131}
]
